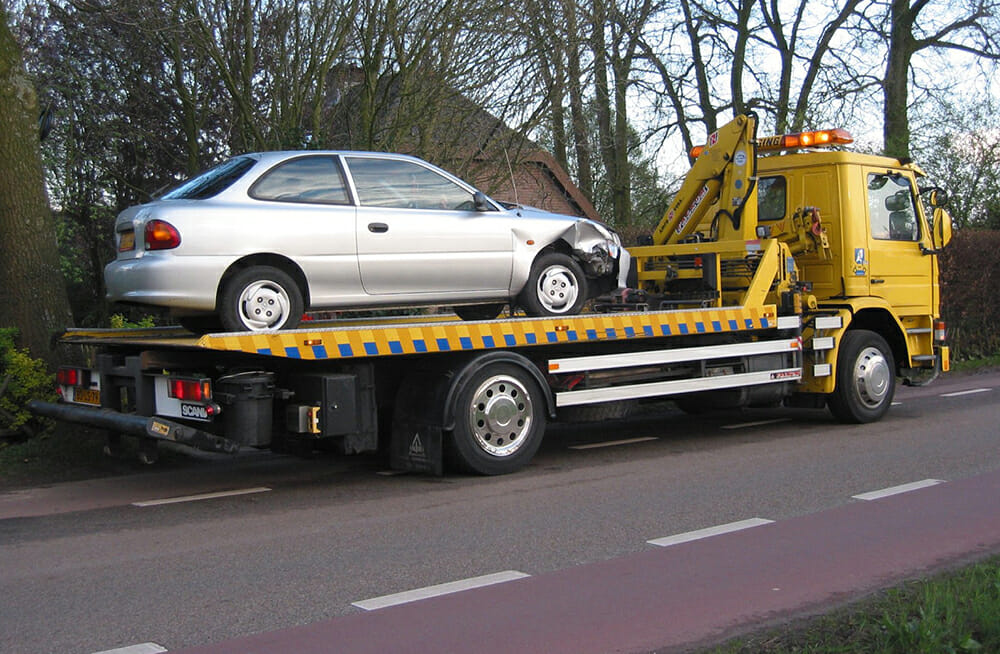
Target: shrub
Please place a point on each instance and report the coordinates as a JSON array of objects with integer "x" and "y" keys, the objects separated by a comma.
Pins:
[
  {"x": 970, "y": 276},
  {"x": 22, "y": 378}
]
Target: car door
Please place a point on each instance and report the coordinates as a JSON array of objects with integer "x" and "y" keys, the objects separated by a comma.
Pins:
[
  {"x": 304, "y": 212},
  {"x": 899, "y": 271},
  {"x": 419, "y": 233}
]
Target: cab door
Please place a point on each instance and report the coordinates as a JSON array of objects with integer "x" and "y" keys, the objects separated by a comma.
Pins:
[{"x": 898, "y": 270}]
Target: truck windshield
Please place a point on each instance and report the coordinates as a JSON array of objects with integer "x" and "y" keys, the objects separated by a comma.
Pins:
[{"x": 212, "y": 181}]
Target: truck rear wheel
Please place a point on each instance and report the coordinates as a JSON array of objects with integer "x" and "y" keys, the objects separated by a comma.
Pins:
[
  {"x": 866, "y": 378},
  {"x": 499, "y": 420}
]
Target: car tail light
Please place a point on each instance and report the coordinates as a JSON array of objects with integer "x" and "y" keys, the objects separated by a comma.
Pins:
[
  {"x": 161, "y": 235},
  {"x": 73, "y": 377},
  {"x": 191, "y": 390}
]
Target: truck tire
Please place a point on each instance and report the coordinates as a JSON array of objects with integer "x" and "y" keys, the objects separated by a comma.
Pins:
[
  {"x": 556, "y": 286},
  {"x": 499, "y": 420},
  {"x": 866, "y": 378},
  {"x": 260, "y": 298}
]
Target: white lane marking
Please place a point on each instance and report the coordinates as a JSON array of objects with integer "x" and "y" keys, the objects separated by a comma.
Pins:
[
  {"x": 709, "y": 532},
  {"x": 758, "y": 423},
  {"x": 973, "y": 391},
  {"x": 438, "y": 590},
  {"x": 203, "y": 496},
  {"x": 626, "y": 441},
  {"x": 141, "y": 648},
  {"x": 896, "y": 490}
]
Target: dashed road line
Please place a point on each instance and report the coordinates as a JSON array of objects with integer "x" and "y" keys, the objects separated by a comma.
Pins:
[
  {"x": 969, "y": 392},
  {"x": 202, "y": 496},
  {"x": 141, "y": 648},
  {"x": 438, "y": 590},
  {"x": 896, "y": 490},
  {"x": 709, "y": 532},
  {"x": 626, "y": 441}
]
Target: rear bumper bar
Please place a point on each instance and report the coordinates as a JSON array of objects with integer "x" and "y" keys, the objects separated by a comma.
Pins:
[{"x": 134, "y": 425}]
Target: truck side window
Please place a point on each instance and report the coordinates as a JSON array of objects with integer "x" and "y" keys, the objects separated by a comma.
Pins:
[
  {"x": 771, "y": 196},
  {"x": 890, "y": 208}
]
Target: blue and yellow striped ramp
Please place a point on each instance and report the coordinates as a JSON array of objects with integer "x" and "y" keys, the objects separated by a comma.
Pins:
[{"x": 458, "y": 336}]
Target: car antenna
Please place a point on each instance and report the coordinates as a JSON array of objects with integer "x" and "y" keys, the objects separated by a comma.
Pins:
[{"x": 513, "y": 184}]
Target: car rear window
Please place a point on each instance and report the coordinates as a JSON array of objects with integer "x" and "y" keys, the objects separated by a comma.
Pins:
[
  {"x": 314, "y": 179},
  {"x": 212, "y": 181}
]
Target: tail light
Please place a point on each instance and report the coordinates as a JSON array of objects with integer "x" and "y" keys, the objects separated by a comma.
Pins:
[
  {"x": 161, "y": 235},
  {"x": 73, "y": 377},
  {"x": 940, "y": 331},
  {"x": 190, "y": 390}
]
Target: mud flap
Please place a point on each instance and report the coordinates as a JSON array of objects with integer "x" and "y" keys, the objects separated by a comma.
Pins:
[{"x": 417, "y": 443}]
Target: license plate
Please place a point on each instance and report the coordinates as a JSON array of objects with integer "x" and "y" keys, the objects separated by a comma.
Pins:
[
  {"x": 87, "y": 396},
  {"x": 127, "y": 241}
]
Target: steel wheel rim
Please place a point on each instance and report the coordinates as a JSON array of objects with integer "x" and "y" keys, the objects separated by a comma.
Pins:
[
  {"x": 263, "y": 305},
  {"x": 872, "y": 377},
  {"x": 557, "y": 289},
  {"x": 500, "y": 416}
]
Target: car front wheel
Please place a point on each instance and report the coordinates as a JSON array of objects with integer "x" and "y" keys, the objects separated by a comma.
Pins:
[
  {"x": 260, "y": 298},
  {"x": 556, "y": 286}
]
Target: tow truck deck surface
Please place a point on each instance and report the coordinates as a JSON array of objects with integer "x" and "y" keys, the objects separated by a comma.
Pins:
[{"x": 347, "y": 339}]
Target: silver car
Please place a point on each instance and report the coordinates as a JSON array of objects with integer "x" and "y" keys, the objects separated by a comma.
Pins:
[{"x": 254, "y": 242}]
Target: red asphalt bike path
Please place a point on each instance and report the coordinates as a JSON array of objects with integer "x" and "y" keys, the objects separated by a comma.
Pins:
[{"x": 675, "y": 598}]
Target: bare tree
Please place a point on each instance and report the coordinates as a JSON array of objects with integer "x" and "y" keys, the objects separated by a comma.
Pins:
[{"x": 913, "y": 26}]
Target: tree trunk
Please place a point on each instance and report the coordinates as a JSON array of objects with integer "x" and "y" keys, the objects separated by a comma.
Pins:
[
  {"x": 32, "y": 291},
  {"x": 902, "y": 45}
]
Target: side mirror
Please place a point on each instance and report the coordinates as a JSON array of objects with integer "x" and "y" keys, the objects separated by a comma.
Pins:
[
  {"x": 938, "y": 198},
  {"x": 481, "y": 202},
  {"x": 940, "y": 227}
]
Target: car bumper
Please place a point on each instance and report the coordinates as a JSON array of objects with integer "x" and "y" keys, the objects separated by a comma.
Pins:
[{"x": 185, "y": 283}]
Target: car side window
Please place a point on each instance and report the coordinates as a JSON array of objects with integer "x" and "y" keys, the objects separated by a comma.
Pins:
[
  {"x": 890, "y": 208},
  {"x": 397, "y": 184},
  {"x": 311, "y": 179}
]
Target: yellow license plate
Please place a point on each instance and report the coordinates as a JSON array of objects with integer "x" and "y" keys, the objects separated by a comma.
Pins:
[
  {"x": 87, "y": 396},
  {"x": 127, "y": 241}
]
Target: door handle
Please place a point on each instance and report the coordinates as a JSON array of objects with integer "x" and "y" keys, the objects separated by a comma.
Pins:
[
  {"x": 878, "y": 281},
  {"x": 378, "y": 228}
]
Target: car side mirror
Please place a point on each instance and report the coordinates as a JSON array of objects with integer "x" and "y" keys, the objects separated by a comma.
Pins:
[
  {"x": 481, "y": 202},
  {"x": 941, "y": 228}
]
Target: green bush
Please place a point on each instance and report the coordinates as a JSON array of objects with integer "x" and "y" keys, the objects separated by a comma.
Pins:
[
  {"x": 970, "y": 275},
  {"x": 22, "y": 378}
]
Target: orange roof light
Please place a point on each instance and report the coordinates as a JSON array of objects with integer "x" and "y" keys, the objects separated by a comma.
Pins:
[{"x": 815, "y": 139}]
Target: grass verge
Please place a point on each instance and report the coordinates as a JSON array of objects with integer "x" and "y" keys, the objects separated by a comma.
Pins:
[{"x": 954, "y": 612}]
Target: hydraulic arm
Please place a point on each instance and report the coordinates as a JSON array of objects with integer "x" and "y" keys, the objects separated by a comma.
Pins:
[{"x": 723, "y": 176}]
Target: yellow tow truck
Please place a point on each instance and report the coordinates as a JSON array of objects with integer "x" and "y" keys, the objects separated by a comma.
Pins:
[{"x": 786, "y": 270}]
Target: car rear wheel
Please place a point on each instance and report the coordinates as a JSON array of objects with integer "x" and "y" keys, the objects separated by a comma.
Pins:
[
  {"x": 260, "y": 298},
  {"x": 556, "y": 286}
]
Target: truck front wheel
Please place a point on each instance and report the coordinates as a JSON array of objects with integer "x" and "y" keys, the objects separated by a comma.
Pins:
[
  {"x": 499, "y": 420},
  {"x": 866, "y": 378}
]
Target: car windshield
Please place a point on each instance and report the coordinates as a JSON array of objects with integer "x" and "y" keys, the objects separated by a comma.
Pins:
[{"x": 212, "y": 181}]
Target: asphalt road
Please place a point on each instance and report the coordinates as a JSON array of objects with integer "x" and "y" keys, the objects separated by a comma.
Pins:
[{"x": 84, "y": 569}]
